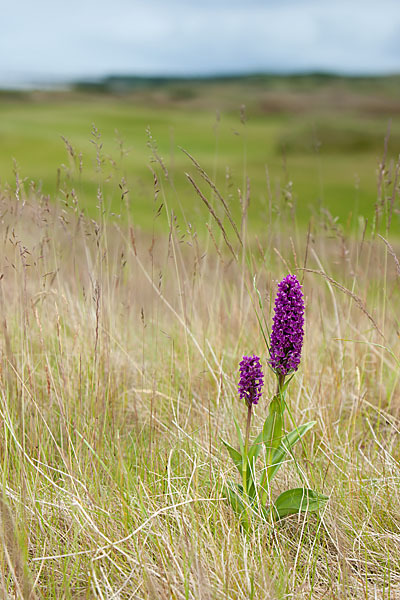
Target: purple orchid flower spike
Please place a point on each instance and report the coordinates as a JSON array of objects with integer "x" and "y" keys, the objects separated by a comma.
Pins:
[
  {"x": 251, "y": 379},
  {"x": 287, "y": 329}
]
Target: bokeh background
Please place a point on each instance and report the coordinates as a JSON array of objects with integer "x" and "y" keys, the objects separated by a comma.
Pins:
[{"x": 296, "y": 101}]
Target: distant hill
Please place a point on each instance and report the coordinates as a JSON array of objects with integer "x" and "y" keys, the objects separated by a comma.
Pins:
[
  {"x": 260, "y": 92},
  {"x": 128, "y": 83}
]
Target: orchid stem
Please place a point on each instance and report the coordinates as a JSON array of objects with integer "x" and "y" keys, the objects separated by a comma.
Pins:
[{"x": 245, "y": 461}]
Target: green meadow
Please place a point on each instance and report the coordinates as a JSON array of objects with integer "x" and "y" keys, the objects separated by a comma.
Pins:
[
  {"x": 134, "y": 278},
  {"x": 304, "y": 144}
]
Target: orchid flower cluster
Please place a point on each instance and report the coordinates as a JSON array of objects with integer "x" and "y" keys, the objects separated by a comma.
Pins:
[{"x": 254, "y": 491}]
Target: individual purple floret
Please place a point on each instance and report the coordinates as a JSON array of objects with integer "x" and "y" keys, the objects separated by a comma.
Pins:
[
  {"x": 287, "y": 329},
  {"x": 251, "y": 379}
]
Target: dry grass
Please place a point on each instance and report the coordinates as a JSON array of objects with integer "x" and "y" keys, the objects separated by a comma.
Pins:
[{"x": 119, "y": 358}]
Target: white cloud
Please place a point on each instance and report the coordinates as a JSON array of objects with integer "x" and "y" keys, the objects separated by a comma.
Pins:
[{"x": 99, "y": 37}]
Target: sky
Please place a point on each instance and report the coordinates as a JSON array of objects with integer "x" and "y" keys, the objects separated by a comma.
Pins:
[{"x": 53, "y": 40}]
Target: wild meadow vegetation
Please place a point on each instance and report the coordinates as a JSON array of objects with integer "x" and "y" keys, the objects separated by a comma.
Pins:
[
  {"x": 314, "y": 140},
  {"x": 122, "y": 329}
]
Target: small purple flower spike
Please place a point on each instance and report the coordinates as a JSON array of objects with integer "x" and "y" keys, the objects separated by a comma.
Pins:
[
  {"x": 287, "y": 329},
  {"x": 251, "y": 379}
]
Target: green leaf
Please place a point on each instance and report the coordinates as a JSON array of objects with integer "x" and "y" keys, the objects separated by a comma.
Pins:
[
  {"x": 235, "y": 456},
  {"x": 240, "y": 437},
  {"x": 255, "y": 448},
  {"x": 252, "y": 456},
  {"x": 234, "y": 500},
  {"x": 286, "y": 384},
  {"x": 273, "y": 426},
  {"x": 285, "y": 446},
  {"x": 251, "y": 481},
  {"x": 298, "y": 500}
]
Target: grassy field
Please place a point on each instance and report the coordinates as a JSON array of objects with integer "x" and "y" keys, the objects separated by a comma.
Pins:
[
  {"x": 121, "y": 338},
  {"x": 119, "y": 369},
  {"x": 314, "y": 142}
]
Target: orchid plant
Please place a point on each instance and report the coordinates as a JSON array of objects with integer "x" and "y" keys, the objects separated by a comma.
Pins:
[{"x": 254, "y": 492}]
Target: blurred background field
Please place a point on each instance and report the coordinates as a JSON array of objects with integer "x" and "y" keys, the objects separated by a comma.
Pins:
[{"x": 307, "y": 142}]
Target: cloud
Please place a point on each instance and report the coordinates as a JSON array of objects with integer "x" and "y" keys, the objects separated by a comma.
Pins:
[{"x": 183, "y": 37}]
